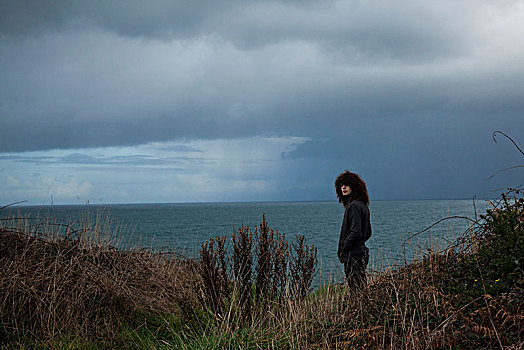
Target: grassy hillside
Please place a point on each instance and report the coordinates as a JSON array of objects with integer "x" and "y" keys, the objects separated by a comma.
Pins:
[{"x": 73, "y": 286}]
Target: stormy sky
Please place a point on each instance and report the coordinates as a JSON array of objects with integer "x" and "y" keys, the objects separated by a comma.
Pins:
[{"x": 189, "y": 101}]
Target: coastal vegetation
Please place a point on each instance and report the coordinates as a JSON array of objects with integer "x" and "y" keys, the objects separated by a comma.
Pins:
[{"x": 75, "y": 286}]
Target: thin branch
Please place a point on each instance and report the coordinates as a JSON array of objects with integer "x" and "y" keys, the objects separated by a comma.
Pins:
[
  {"x": 9, "y": 205},
  {"x": 503, "y": 170},
  {"x": 475, "y": 206},
  {"x": 438, "y": 222},
  {"x": 454, "y": 314},
  {"x": 505, "y": 189},
  {"x": 12, "y": 219},
  {"x": 509, "y": 138}
]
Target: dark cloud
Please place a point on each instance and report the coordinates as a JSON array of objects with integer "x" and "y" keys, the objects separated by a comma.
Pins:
[
  {"x": 412, "y": 90},
  {"x": 408, "y": 31},
  {"x": 129, "y": 18},
  {"x": 111, "y": 112},
  {"x": 412, "y": 158}
]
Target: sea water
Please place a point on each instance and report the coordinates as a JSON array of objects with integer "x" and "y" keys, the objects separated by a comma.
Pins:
[{"x": 183, "y": 227}]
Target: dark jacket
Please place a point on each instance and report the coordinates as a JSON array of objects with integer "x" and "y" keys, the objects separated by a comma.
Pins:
[{"x": 355, "y": 231}]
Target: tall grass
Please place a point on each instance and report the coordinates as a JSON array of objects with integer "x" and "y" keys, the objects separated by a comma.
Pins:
[
  {"x": 58, "y": 279},
  {"x": 74, "y": 287}
]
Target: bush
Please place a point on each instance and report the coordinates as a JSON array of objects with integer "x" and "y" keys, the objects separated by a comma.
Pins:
[
  {"x": 263, "y": 268},
  {"x": 501, "y": 247}
]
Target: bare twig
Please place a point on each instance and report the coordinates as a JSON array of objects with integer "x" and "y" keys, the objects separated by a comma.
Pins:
[
  {"x": 509, "y": 138},
  {"x": 438, "y": 222},
  {"x": 503, "y": 170},
  {"x": 11, "y": 204}
]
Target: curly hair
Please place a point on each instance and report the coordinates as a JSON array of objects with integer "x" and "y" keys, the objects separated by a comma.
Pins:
[{"x": 358, "y": 188}]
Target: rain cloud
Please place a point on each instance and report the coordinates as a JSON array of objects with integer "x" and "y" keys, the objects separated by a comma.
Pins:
[{"x": 407, "y": 94}]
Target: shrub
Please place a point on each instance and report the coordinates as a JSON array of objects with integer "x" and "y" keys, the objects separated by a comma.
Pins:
[
  {"x": 264, "y": 268},
  {"x": 501, "y": 247}
]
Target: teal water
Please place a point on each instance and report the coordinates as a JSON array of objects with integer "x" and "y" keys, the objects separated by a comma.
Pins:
[{"x": 183, "y": 227}]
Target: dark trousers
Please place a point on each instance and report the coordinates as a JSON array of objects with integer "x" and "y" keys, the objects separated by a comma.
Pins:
[{"x": 355, "y": 270}]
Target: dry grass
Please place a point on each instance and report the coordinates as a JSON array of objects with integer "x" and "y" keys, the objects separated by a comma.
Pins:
[
  {"x": 411, "y": 308},
  {"x": 467, "y": 296},
  {"x": 57, "y": 280}
]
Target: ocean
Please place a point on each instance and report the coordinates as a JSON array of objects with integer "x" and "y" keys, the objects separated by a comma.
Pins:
[{"x": 183, "y": 227}]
